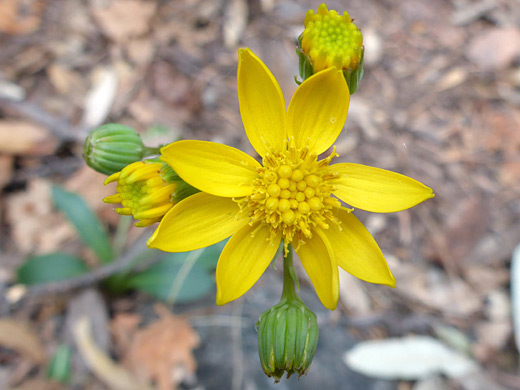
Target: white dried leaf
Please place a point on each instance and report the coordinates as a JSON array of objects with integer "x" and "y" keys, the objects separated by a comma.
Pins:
[
  {"x": 100, "y": 98},
  {"x": 409, "y": 358},
  {"x": 112, "y": 374},
  {"x": 235, "y": 22},
  {"x": 515, "y": 294}
]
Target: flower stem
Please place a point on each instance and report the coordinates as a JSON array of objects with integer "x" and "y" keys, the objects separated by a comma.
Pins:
[
  {"x": 289, "y": 277},
  {"x": 150, "y": 151}
]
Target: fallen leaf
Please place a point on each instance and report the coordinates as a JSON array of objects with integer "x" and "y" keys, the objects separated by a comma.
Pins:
[
  {"x": 494, "y": 334},
  {"x": 352, "y": 294},
  {"x": 91, "y": 301},
  {"x": 113, "y": 375},
  {"x": 6, "y": 169},
  {"x": 509, "y": 174},
  {"x": 123, "y": 328},
  {"x": 464, "y": 228},
  {"x": 100, "y": 98},
  {"x": 141, "y": 51},
  {"x": 163, "y": 351},
  {"x": 235, "y": 22},
  {"x": 20, "y": 17},
  {"x": 515, "y": 294},
  {"x": 494, "y": 49},
  {"x": 453, "y": 78},
  {"x": 30, "y": 213},
  {"x": 408, "y": 358},
  {"x": 25, "y": 138},
  {"x": 435, "y": 382},
  {"x": 63, "y": 79},
  {"x": 451, "y": 296},
  {"x": 125, "y": 19},
  {"x": 20, "y": 337}
]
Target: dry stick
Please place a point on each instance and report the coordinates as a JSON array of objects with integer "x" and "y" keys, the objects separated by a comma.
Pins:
[
  {"x": 120, "y": 264},
  {"x": 60, "y": 127}
]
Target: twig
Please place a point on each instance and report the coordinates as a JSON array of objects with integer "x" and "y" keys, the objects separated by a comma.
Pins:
[
  {"x": 60, "y": 127},
  {"x": 121, "y": 264}
]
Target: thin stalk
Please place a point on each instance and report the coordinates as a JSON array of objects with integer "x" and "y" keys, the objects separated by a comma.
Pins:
[
  {"x": 151, "y": 151},
  {"x": 289, "y": 276}
]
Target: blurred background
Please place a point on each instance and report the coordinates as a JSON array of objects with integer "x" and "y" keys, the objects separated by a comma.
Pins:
[{"x": 440, "y": 102}]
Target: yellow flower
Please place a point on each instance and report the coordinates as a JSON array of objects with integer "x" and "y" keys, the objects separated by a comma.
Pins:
[
  {"x": 143, "y": 191},
  {"x": 287, "y": 197}
]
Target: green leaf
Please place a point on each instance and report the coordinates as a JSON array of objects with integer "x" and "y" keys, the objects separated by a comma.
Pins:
[
  {"x": 158, "y": 281},
  {"x": 50, "y": 268},
  {"x": 184, "y": 277},
  {"x": 59, "y": 369},
  {"x": 88, "y": 226}
]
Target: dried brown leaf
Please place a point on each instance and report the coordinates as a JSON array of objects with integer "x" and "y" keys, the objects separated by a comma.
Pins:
[
  {"x": 6, "y": 169},
  {"x": 25, "y": 138},
  {"x": 235, "y": 22},
  {"x": 20, "y": 17},
  {"x": 123, "y": 328},
  {"x": 113, "y": 375},
  {"x": 463, "y": 230},
  {"x": 63, "y": 79},
  {"x": 163, "y": 349},
  {"x": 30, "y": 214},
  {"x": 495, "y": 49},
  {"x": 20, "y": 337},
  {"x": 125, "y": 19}
]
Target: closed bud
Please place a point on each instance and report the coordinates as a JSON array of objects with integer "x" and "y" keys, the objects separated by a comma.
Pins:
[
  {"x": 111, "y": 147},
  {"x": 287, "y": 338}
]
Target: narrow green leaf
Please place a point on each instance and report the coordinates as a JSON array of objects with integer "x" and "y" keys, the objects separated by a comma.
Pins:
[
  {"x": 88, "y": 226},
  {"x": 50, "y": 268},
  {"x": 59, "y": 369}
]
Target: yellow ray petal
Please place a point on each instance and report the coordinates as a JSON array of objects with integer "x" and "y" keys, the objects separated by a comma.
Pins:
[
  {"x": 357, "y": 252},
  {"x": 116, "y": 198},
  {"x": 196, "y": 222},
  {"x": 262, "y": 105},
  {"x": 211, "y": 167},
  {"x": 377, "y": 190},
  {"x": 318, "y": 259},
  {"x": 112, "y": 178},
  {"x": 243, "y": 260},
  {"x": 318, "y": 110}
]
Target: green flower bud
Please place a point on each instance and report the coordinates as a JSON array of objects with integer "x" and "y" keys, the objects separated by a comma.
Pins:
[
  {"x": 111, "y": 147},
  {"x": 287, "y": 338}
]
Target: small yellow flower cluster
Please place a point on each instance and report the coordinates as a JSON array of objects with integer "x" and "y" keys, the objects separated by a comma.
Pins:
[
  {"x": 331, "y": 39},
  {"x": 143, "y": 192}
]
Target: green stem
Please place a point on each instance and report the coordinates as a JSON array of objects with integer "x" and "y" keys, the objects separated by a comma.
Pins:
[
  {"x": 150, "y": 151},
  {"x": 289, "y": 277}
]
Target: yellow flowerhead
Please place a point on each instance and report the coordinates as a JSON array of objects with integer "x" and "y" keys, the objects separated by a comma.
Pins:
[
  {"x": 143, "y": 191},
  {"x": 330, "y": 39},
  {"x": 291, "y": 196}
]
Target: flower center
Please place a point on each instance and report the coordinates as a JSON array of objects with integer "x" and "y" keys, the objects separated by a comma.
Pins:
[
  {"x": 331, "y": 39},
  {"x": 292, "y": 194}
]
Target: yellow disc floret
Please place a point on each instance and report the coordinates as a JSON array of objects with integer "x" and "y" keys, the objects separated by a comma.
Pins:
[
  {"x": 292, "y": 194},
  {"x": 143, "y": 192},
  {"x": 330, "y": 39}
]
